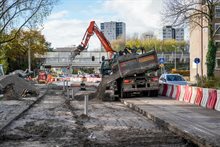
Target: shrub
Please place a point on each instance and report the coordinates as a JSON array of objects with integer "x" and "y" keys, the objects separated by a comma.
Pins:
[{"x": 208, "y": 82}]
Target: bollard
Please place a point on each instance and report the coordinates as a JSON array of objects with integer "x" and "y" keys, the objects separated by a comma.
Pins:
[
  {"x": 64, "y": 85},
  {"x": 72, "y": 93},
  {"x": 68, "y": 93},
  {"x": 86, "y": 104}
]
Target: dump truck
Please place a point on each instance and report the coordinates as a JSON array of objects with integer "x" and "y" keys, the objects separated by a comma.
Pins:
[
  {"x": 126, "y": 74},
  {"x": 132, "y": 74}
]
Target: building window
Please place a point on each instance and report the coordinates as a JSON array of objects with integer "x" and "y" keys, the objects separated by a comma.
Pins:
[
  {"x": 218, "y": 63},
  {"x": 217, "y": 28},
  {"x": 217, "y": 11}
]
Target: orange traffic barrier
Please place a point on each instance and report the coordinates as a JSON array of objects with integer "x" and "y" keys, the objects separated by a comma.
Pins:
[
  {"x": 205, "y": 97},
  {"x": 217, "y": 105},
  {"x": 165, "y": 88},
  {"x": 194, "y": 93},
  {"x": 49, "y": 78},
  {"x": 188, "y": 93},
  {"x": 212, "y": 99},
  {"x": 199, "y": 96}
]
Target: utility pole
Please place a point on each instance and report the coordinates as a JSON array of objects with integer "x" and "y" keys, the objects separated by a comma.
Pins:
[
  {"x": 175, "y": 58},
  {"x": 29, "y": 55},
  {"x": 201, "y": 40}
]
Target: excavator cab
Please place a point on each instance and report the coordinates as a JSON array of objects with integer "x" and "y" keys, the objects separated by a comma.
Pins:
[{"x": 106, "y": 68}]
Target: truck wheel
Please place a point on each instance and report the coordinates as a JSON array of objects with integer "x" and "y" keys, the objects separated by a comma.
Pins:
[{"x": 154, "y": 93}]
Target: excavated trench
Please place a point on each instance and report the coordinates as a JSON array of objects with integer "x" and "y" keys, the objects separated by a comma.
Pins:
[{"x": 57, "y": 121}]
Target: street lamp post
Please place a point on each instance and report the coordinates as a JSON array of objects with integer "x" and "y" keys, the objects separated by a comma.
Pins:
[
  {"x": 175, "y": 58},
  {"x": 29, "y": 58}
]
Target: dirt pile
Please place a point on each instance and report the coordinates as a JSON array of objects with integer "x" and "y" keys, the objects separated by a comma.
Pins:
[
  {"x": 100, "y": 93},
  {"x": 15, "y": 87}
]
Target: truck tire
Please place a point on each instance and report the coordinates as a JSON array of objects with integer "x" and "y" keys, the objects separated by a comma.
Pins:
[{"x": 153, "y": 93}]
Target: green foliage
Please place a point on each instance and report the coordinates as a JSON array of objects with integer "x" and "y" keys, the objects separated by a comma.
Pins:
[
  {"x": 208, "y": 82},
  {"x": 118, "y": 44},
  {"x": 15, "y": 53},
  {"x": 210, "y": 58},
  {"x": 158, "y": 45}
]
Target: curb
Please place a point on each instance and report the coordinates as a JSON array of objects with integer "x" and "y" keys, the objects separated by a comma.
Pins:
[
  {"x": 199, "y": 141},
  {"x": 24, "y": 110}
]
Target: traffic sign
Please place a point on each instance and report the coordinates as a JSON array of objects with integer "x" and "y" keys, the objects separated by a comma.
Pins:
[
  {"x": 197, "y": 60},
  {"x": 161, "y": 60}
]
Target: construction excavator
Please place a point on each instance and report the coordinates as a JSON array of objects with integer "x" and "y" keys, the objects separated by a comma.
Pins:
[
  {"x": 127, "y": 72},
  {"x": 93, "y": 28}
]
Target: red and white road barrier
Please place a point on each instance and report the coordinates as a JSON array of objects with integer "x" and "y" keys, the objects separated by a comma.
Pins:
[
  {"x": 178, "y": 92},
  {"x": 188, "y": 94},
  {"x": 161, "y": 89},
  {"x": 165, "y": 88},
  {"x": 217, "y": 105},
  {"x": 194, "y": 93},
  {"x": 199, "y": 96},
  {"x": 212, "y": 99},
  {"x": 174, "y": 91},
  {"x": 182, "y": 93},
  {"x": 207, "y": 98},
  {"x": 169, "y": 89}
]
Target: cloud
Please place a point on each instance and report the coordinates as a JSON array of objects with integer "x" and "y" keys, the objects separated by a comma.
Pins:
[
  {"x": 58, "y": 15},
  {"x": 63, "y": 29},
  {"x": 67, "y": 32},
  {"x": 140, "y": 16}
]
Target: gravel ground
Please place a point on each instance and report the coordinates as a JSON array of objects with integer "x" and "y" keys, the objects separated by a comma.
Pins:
[{"x": 58, "y": 122}]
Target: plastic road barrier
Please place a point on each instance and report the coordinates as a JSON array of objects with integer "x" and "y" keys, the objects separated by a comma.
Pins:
[
  {"x": 212, "y": 99},
  {"x": 174, "y": 91},
  {"x": 178, "y": 92},
  {"x": 161, "y": 89},
  {"x": 194, "y": 93},
  {"x": 188, "y": 94},
  {"x": 182, "y": 93},
  {"x": 205, "y": 97},
  {"x": 169, "y": 90},
  {"x": 165, "y": 88},
  {"x": 199, "y": 96},
  {"x": 217, "y": 105}
]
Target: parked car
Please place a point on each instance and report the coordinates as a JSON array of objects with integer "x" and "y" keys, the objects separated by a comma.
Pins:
[{"x": 172, "y": 79}]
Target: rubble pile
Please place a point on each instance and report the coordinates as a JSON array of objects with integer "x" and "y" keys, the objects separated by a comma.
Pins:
[
  {"x": 100, "y": 92},
  {"x": 15, "y": 87}
]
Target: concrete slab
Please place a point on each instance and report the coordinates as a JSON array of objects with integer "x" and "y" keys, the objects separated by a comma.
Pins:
[{"x": 198, "y": 124}]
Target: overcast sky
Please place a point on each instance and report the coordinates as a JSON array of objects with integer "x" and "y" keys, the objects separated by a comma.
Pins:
[{"x": 70, "y": 18}]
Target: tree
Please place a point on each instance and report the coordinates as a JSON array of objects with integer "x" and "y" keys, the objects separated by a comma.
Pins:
[
  {"x": 15, "y": 52},
  {"x": 118, "y": 44},
  {"x": 158, "y": 45},
  {"x": 195, "y": 13},
  {"x": 20, "y": 13}
]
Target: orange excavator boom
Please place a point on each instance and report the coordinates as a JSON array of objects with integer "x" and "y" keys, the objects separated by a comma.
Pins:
[{"x": 93, "y": 28}]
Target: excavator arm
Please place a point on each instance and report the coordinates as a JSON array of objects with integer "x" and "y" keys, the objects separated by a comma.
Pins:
[{"x": 93, "y": 28}]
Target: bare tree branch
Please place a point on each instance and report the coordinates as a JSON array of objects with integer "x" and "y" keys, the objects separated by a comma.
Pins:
[{"x": 18, "y": 13}]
